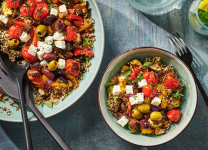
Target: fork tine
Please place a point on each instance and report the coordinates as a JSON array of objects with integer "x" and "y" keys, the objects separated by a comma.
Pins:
[
  {"x": 179, "y": 44},
  {"x": 184, "y": 44},
  {"x": 174, "y": 47}
]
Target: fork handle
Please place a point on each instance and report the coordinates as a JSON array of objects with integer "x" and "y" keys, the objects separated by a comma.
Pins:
[
  {"x": 24, "y": 115},
  {"x": 204, "y": 95}
]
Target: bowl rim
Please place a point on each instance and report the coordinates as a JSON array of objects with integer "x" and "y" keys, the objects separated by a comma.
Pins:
[{"x": 157, "y": 49}]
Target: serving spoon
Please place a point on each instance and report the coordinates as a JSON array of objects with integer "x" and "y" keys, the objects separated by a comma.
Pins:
[{"x": 7, "y": 83}]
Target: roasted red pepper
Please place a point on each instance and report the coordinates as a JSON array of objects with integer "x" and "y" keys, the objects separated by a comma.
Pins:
[
  {"x": 128, "y": 109},
  {"x": 35, "y": 77},
  {"x": 86, "y": 52},
  {"x": 78, "y": 20},
  {"x": 72, "y": 67},
  {"x": 71, "y": 35},
  {"x": 35, "y": 37},
  {"x": 18, "y": 23},
  {"x": 134, "y": 74},
  {"x": 27, "y": 56}
]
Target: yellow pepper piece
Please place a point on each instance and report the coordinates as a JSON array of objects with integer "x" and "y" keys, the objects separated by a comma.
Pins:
[
  {"x": 59, "y": 84},
  {"x": 123, "y": 88},
  {"x": 71, "y": 77},
  {"x": 85, "y": 26},
  {"x": 146, "y": 131},
  {"x": 164, "y": 103},
  {"x": 124, "y": 67},
  {"x": 44, "y": 78}
]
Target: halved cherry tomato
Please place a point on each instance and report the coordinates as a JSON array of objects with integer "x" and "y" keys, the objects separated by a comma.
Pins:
[
  {"x": 13, "y": 3},
  {"x": 27, "y": 56},
  {"x": 40, "y": 12},
  {"x": 72, "y": 67},
  {"x": 18, "y": 23},
  {"x": 86, "y": 52},
  {"x": 39, "y": 1},
  {"x": 129, "y": 108},
  {"x": 78, "y": 20},
  {"x": 149, "y": 91},
  {"x": 151, "y": 77},
  {"x": 28, "y": 8},
  {"x": 174, "y": 115},
  {"x": 15, "y": 32},
  {"x": 134, "y": 74},
  {"x": 35, "y": 37},
  {"x": 35, "y": 77},
  {"x": 71, "y": 34},
  {"x": 171, "y": 82}
]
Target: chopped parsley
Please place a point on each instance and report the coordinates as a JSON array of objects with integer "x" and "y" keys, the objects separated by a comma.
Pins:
[
  {"x": 41, "y": 104},
  {"x": 86, "y": 42},
  {"x": 177, "y": 94},
  {"x": 64, "y": 17},
  {"x": 108, "y": 103}
]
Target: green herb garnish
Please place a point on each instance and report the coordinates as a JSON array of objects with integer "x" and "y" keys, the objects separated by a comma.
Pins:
[
  {"x": 164, "y": 94},
  {"x": 128, "y": 80},
  {"x": 86, "y": 42},
  {"x": 108, "y": 103},
  {"x": 148, "y": 64},
  {"x": 152, "y": 89},
  {"x": 80, "y": 0},
  {"x": 127, "y": 72},
  {"x": 177, "y": 94},
  {"x": 64, "y": 17},
  {"x": 139, "y": 77},
  {"x": 87, "y": 60},
  {"x": 49, "y": 104},
  {"x": 12, "y": 51},
  {"x": 127, "y": 109},
  {"x": 51, "y": 5},
  {"x": 78, "y": 60},
  {"x": 41, "y": 104},
  {"x": 134, "y": 96},
  {"x": 108, "y": 84}
]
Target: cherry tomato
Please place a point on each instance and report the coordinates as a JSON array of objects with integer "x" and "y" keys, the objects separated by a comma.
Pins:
[
  {"x": 134, "y": 74},
  {"x": 72, "y": 67},
  {"x": 40, "y": 12},
  {"x": 151, "y": 77},
  {"x": 39, "y": 1},
  {"x": 35, "y": 77},
  {"x": 71, "y": 34},
  {"x": 128, "y": 110},
  {"x": 174, "y": 115},
  {"x": 171, "y": 82},
  {"x": 18, "y": 23},
  {"x": 28, "y": 8},
  {"x": 54, "y": 1},
  {"x": 149, "y": 91},
  {"x": 78, "y": 20},
  {"x": 13, "y": 3},
  {"x": 27, "y": 56},
  {"x": 15, "y": 32}
]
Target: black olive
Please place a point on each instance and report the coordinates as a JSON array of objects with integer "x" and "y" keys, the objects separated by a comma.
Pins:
[{"x": 49, "y": 20}]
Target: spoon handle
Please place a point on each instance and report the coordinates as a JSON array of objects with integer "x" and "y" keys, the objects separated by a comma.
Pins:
[
  {"x": 43, "y": 120},
  {"x": 24, "y": 114}
]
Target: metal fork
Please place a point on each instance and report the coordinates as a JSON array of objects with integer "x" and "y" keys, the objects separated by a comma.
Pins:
[{"x": 183, "y": 52}]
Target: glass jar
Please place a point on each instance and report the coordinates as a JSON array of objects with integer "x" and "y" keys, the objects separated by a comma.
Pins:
[{"x": 194, "y": 20}]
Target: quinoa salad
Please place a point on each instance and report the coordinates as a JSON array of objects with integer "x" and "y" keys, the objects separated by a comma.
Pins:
[
  {"x": 145, "y": 96},
  {"x": 56, "y": 37}
]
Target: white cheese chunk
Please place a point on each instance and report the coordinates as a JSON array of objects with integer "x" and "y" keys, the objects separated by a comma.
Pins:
[
  {"x": 40, "y": 45},
  {"x": 47, "y": 48},
  {"x": 32, "y": 50},
  {"x": 60, "y": 44},
  {"x": 49, "y": 40},
  {"x": 63, "y": 9},
  {"x": 44, "y": 63},
  {"x": 25, "y": 37},
  {"x": 58, "y": 36},
  {"x": 137, "y": 99},
  {"x": 123, "y": 121},
  {"x": 54, "y": 12},
  {"x": 129, "y": 89},
  {"x": 156, "y": 101},
  {"x": 3, "y": 19},
  {"x": 61, "y": 63},
  {"x": 142, "y": 83},
  {"x": 116, "y": 89},
  {"x": 40, "y": 55}
]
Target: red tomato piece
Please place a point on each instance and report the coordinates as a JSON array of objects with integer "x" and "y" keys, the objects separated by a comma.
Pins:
[
  {"x": 40, "y": 12},
  {"x": 18, "y": 23},
  {"x": 174, "y": 115},
  {"x": 86, "y": 52},
  {"x": 134, "y": 74},
  {"x": 72, "y": 67},
  {"x": 39, "y": 1},
  {"x": 78, "y": 20},
  {"x": 149, "y": 91},
  {"x": 36, "y": 78},
  {"x": 151, "y": 77},
  {"x": 129, "y": 108},
  {"x": 28, "y": 8},
  {"x": 71, "y": 35},
  {"x": 171, "y": 82},
  {"x": 15, "y": 32},
  {"x": 27, "y": 56},
  {"x": 54, "y": 1},
  {"x": 13, "y": 3}
]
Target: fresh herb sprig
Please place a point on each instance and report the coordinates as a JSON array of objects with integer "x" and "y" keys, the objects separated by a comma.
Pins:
[
  {"x": 86, "y": 41},
  {"x": 147, "y": 64},
  {"x": 52, "y": 5},
  {"x": 203, "y": 15},
  {"x": 139, "y": 77}
]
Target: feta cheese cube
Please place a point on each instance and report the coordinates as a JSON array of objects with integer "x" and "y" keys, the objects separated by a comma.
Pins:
[
  {"x": 123, "y": 121},
  {"x": 54, "y": 12},
  {"x": 156, "y": 101},
  {"x": 49, "y": 40},
  {"x": 137, "y": 99},
  {"x": 40, "y": 55},
  {"x": 32, "y": 50},
  {"x": 60, "y": 44},
  {"x": 129, "y": 89},
  {"x": 63, "y": 9},
  {"x": 44, "y": 63},
  {"x": 25, "y": 37},
  {"x": 142, "y": 83},
  {"x": 47, "y": 48},
  {"x": 3, "y": 19},
  {"x": 40, "y": 45},
  {"x": 61, "y": 63},
  {"x": 58, "y": 36},
  {"x": 116, "y": 89}
]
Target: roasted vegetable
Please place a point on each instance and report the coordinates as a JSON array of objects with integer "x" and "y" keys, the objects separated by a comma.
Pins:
[
  {"x": 6, "y": 10},
  {"x": 159, "y": 131},
  {"x": 124, "y": 67},
  {"x": 114, "y": 80},
  {"x": 155, "y": 124},
  {"x": 117, "y": 106},
  {"x": 146, "y": 131},
  {"x": 155, "y": 68},
  {"x": 136, "y": 63}
]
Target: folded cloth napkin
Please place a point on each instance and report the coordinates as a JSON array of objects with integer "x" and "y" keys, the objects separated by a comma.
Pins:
[{"x": 5, "y": 141}]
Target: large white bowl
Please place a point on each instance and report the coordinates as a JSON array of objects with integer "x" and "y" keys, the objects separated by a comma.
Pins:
[
  {"x": 189, "y": 100},
  {"x": 83, "y": 86}
]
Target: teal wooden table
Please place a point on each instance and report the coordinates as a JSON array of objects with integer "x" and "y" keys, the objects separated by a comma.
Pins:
[{"x": 82, "y": 125}]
